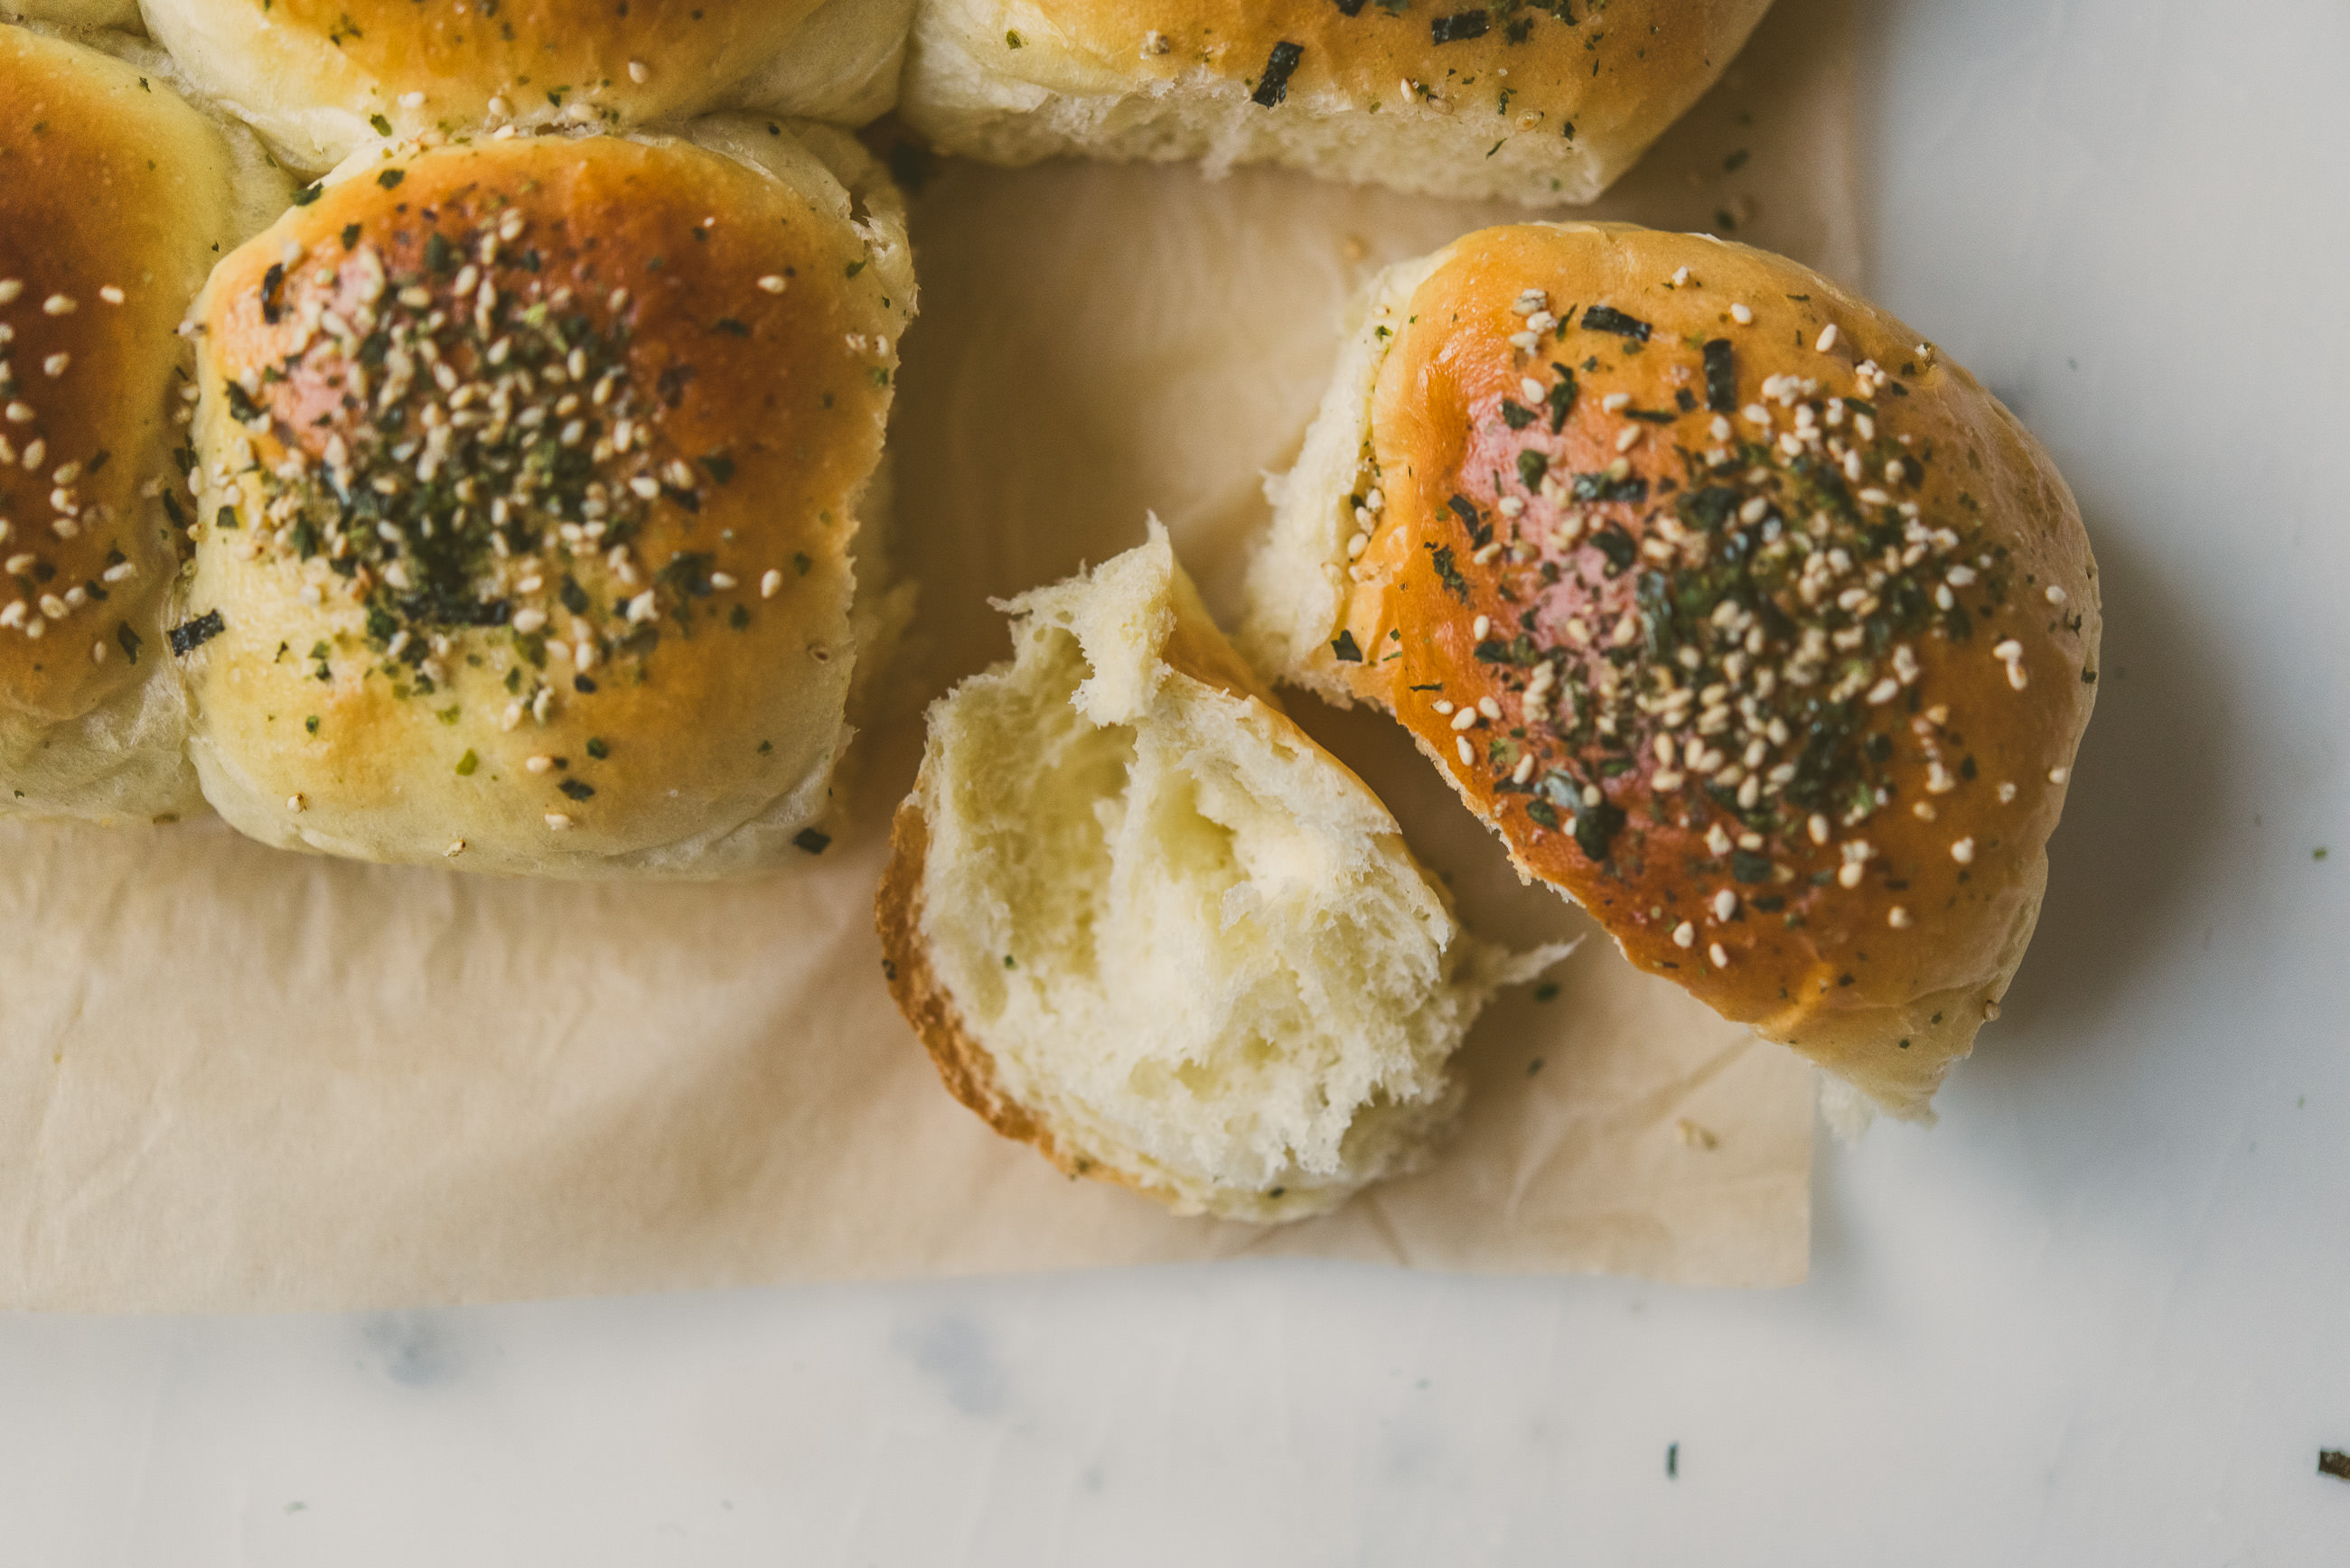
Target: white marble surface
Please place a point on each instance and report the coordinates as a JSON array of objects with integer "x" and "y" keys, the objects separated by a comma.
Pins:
[{"x": 2101, "y": 1316}]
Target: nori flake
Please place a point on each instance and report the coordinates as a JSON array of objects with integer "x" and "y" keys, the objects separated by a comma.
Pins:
[
  {"x": 191, "y": 635},
  {"x": 1273, "y": 86},
  {"x": 1605, "y": 318}
]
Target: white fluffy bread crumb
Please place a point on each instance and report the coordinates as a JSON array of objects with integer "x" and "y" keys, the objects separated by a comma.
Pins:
[{"x": 1188, "y": 945}]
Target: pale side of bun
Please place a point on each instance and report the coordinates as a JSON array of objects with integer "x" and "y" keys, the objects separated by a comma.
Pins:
[
  {"x": 74, "y": 12},
  {"x": 573, "y": 593},
  {"x": 841, "y": 67},
  {"x": 1144, "y": 922},
  {"x": 323, "y": 78},
  {"x": 1539, "y": 105},
  {"x": 116, "y": 197},
  {"x": 1791, "y": 628}
]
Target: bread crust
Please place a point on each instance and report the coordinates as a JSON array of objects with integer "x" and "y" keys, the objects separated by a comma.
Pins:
[
  {"x": 1858, "y": 882},
  {"x": 1572, "y": 99},
  {"x": 314, "y": 74},
  {"x": 115, "y": 196},
  {"x": 962, "y": 1063},
  {"x": 655, "y": 645}
]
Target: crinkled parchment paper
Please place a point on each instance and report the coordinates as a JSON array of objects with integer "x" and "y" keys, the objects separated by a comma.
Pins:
[{"x": 233, "y": 1079}]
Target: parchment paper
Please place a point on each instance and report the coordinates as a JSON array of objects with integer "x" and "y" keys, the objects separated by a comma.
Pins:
[{"x": 235, "y": 1079}]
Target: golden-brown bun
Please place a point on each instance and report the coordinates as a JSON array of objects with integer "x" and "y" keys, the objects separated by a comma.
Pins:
[
  {"x": 568, "y": 591},
  {"x": 1536, "y": 104},
  {"x": 1816, "y": 616},
  {"x": 323, "y": 78},
  {"x": 115, "y": 199}
]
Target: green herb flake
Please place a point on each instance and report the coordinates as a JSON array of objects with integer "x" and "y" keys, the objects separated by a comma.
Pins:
[{"x": 467, "y": 763}]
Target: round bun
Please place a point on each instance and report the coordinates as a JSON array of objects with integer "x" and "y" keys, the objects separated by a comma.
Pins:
[
  {"x": 533, "y": 469},
  {"x": 1355, "y": 92},
  {"x": 116, "y": 197},
  {"x": 324, "y": 77},
  {"x": 1145, "y": 923},
  {"x": 1749, "y": 621}
]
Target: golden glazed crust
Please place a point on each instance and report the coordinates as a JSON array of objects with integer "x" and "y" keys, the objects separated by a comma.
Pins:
[
  {"x": 1597, "y": 84},
  {"x": 1790, "y": 629},
  {"x": 531, "y": 472},
  {"x": 1624, "y": 73},
  {"x": 422, "y": 65},
  {"x": 115, "y": 199}
]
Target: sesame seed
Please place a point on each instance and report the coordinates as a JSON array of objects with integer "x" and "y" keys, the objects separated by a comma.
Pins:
[
  {"x": 1991, "y": 1012},
  {"x": 1818, "y": 828},
  {"x": 10, "y": 288},
  {"x": 456, "y": 847},
  {"x": 1490, "y": 709},
  {"x": 2058, "y": 775},
  {"x": 296, "y": 803},
  {"x": 639, "y": 73},
  {"x": 1481, "y": 626},
  {"x": 1685, "y": 935},
  {"x": 59, "y": 305},
  {"x": 557, "y": 820},
  {"x": 1827, "y": 339},
  {"x": 529, "y": 620},
  {"x": 1465, "y": 719},
  {"x": 1525, "y": 770},
  {"x": 1963, "y": 851},
  {"x": 1897, "y": 917},
  {"x": 1725, "y": 904},
  {"x": 2055, "y": 594},
  {"x": 1850, "y": 873},
  {"x": 1468, "y": 758},
  {"x": 111, "y": 294},
  {"x": 1531, "y": 388},
  {"x": 1742, "y": 315},
  {"x": 1628, "y": 438},
  {"x": 2006, "y": 794},
  {"x": 97, "y": 651},
  {"x": 771, "y": 584},
  {"x": 1719, "y": 956}
]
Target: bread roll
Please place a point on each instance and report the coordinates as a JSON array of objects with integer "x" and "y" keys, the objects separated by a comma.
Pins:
[
  {"x": 1142, "y": 921},
  {"x": 1539, "y": 103},
  {"x": 1751, "y": 622},
  {"x": 115, "y": 199},
  {"x": 323, "y": 78},
  {"x": 532, "y": 472}
]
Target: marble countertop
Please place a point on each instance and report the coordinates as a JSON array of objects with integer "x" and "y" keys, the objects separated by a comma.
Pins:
[{"x": 2096, "y": 1317}]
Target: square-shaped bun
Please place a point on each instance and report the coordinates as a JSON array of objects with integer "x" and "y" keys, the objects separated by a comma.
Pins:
[
  {"x": 321, "y": 78},
  {"x": 1540, "y": 104},
  {"x": 116, "y": 197},
  {"x": 534, "y": 469}
]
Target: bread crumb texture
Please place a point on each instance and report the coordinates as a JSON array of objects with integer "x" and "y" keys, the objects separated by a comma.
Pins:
[{"x": 1146, "y": 922}]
